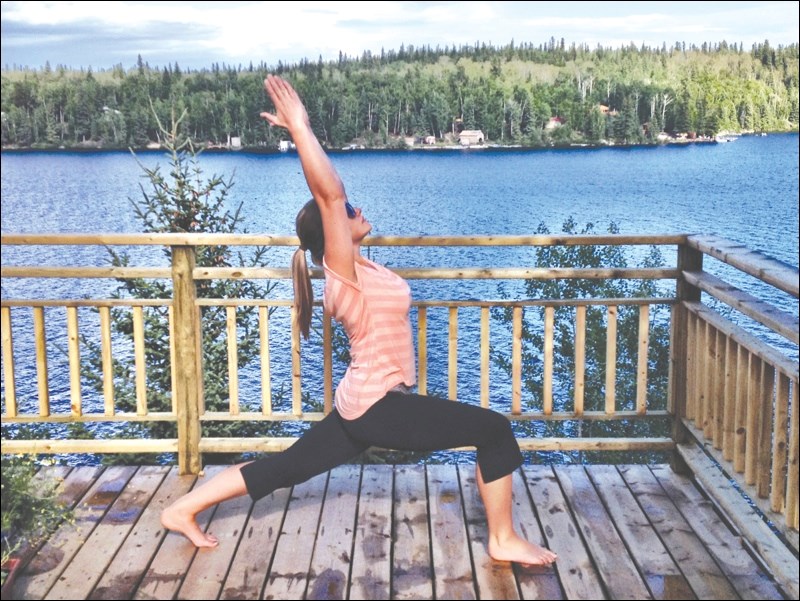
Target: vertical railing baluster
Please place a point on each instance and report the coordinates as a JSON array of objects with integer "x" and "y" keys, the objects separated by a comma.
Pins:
[
  {"x": 107, "y": 360},
  {"x": 266, "y": 375},
  {"x": 422, "y": 350},
  {"x": 297, "y": 390},
  {"x": 452, "y": 354},
  {"x": 766, "y": 400},
  {"x": 753, "y": 420},
  {"x": 547, "y": 384},
  {"x": 729, "y": 404},
  {"x": 708, "y": 389},
  {"x": 485, "y": 346},
  {"x": 139, "y": 361},
  {"x": 74, "y": 355},
  {"x": 611, "y": 360},
  {"x": 779, "y": 445},
  {"x": 516, "y": 362},
  {"x": 719, "y": 389},
  {"x": 701, "y": 354},
  {"x": 644, "y": 347},
  {"x": 40, "y": 336},
  {"x": 173, "y": 370},
  {"x": 691, "y": 364},
  {"x": 580, "y": 357},
  {"x": 327, "y": 361},
  {"x": 743, "y": 358},
  {"x": 233, "y": 360},
  {"x": 791, "y": 511},
  {"x": 8, "y": 362}
]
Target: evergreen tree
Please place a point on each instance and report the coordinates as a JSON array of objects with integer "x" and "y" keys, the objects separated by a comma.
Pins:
[
  {"x": 183, "y": 201},
  {"x": 588, "y": 257},
  {"x": 509, "y": 92}
]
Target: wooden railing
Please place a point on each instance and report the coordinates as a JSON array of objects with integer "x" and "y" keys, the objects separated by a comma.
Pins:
[
  {"x": 728, "y": 389},
  {"x": 736, "y": 395}
]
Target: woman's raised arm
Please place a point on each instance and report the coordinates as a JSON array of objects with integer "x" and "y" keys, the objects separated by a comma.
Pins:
[{"x": 323, "y": 181}]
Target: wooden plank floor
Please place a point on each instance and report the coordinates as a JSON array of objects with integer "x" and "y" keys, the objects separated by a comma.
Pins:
[{"x": 403, "y": 532}]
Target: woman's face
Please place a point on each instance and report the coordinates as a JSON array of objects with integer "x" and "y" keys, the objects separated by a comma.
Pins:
[{"x": 359, "y": 226}]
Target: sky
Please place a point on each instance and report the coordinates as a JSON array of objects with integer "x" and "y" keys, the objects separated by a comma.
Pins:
[{"x": 196, "y": 35}]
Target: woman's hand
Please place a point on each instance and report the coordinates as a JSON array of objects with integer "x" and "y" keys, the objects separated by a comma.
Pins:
[{"x": 289, "y": 110}]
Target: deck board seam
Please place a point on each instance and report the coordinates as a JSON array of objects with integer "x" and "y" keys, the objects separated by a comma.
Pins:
[
  {"x": 625, "y": 543},
  {"x": 668, "y": 498},
  {"x": 262, "y": 589},
  {"x": 703, "y": 542},
  {"x": 740, "y": 537},
  {"x": 472, "y": 563},
  {"x": 431, "y": 562},
  {"x": 130, "y": 532},
  {"x": 322, "y": 503},
  {"x": 354, "y": 530},
  {"x": 573, "y": 516}
]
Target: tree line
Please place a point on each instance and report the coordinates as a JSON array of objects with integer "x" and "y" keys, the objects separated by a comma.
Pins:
[{"x": 515, "y": 94}]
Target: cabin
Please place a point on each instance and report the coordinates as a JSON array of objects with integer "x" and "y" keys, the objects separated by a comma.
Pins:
[
  {"x": 471, "y": 137},
  {"x": 715, "y": 518},
  {"x": 553, "y": 123}
]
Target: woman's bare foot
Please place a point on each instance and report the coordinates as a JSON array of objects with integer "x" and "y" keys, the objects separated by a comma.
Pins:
[
  {"x": 172, "y": 518},
  {"x": 521, "y": 551}
]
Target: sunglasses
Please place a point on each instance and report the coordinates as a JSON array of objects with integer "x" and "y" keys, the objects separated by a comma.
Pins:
[{"x": 351, "y": 212}]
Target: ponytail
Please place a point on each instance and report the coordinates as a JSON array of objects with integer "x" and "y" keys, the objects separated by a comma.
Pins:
[{"x": 303, "y": 293}]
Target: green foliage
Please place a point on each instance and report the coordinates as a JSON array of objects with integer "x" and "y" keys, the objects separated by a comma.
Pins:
[
  {"x": 509, "y": 92},
  {"x": 30, "y": 511},
  {"x": 183, "y": 201},
  {"x": 588, "y": 257}
]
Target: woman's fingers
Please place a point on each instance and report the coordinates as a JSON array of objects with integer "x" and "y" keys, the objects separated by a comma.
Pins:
[
  {"x": 279, "y": 90},
  {"x": 272, "y": 119}
]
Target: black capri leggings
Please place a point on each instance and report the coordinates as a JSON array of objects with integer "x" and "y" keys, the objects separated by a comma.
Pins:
[{"x": 399, "y": 421}]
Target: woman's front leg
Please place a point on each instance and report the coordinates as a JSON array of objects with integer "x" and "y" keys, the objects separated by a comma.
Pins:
[{"x": 504, "y": 542}]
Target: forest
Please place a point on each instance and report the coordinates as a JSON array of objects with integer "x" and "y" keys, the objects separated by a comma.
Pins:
[{"x": 528, "y": 95}]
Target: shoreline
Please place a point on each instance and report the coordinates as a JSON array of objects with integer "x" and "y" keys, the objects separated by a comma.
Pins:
[{"x": 88, "y": 149}]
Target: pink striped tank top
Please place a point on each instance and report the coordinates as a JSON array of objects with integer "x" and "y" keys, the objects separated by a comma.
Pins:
[{"x": 374, "y": 313}]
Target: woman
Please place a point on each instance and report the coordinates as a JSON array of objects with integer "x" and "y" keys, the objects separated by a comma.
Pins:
[{"x": 374, "y": 404}]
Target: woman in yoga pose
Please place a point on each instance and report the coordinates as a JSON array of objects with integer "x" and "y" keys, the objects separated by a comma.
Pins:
[{"x": 374, "y": 402}]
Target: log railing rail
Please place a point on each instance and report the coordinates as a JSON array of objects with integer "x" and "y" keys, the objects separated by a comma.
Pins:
[{"x": 730, "y": 393}]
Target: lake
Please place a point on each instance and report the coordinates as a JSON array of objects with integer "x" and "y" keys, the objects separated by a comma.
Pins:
[{"x": 746, "y": 191}]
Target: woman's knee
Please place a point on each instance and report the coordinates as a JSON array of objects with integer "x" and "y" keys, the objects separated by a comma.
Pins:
[{"x": 498, "y": 425}]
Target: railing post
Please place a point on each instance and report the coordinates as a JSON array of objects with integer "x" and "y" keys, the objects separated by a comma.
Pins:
[
  {"x": 689, "y": 259},
  {"x": 187, "y": 370}
]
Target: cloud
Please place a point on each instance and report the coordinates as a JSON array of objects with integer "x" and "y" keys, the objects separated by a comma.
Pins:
[{"x": 197, "y": 34}]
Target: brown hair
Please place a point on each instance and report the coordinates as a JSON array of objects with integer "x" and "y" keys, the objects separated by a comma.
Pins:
[{"x": 308, "y": 226}]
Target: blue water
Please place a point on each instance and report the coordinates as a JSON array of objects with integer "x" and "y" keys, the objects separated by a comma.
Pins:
[{"x": 746, "y": 191}]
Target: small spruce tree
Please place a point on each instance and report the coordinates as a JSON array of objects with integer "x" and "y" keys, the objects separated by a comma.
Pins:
[
  {"x": 183, "y": 201},
  {"x": 604, "y": 256}
]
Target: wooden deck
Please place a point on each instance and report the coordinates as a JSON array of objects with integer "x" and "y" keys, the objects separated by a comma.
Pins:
[{"x": 403, "y": 532}]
